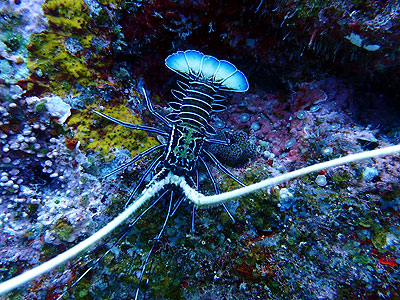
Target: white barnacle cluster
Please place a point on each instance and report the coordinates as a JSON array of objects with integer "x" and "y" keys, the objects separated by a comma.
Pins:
[
  {"x": 13, "y": 140},
  {"x": 42, "y": 182},
  {"x": 51, "y": 162},
  {"x": 26, "y": 143}
]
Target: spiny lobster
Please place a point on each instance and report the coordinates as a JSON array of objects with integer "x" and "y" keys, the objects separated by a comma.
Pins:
[{"x": 187, "y": 128}]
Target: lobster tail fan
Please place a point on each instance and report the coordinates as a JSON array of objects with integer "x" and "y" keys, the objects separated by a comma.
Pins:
[
  {"x": 230, "y": 78},
  {"x": 185, "y": 63},
  {"x": 194, "y": 65},
  {"x": 194, "y": 61},
  {"x": 177, "y": 62},
  {"x": 236, "y": 82},
  {"x": 200, "y": 97},
  {"x": 209, "y": 67},
  {"x": 225, "y": 70}
]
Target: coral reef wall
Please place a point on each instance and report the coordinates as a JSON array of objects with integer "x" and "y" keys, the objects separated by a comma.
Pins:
[{"x": 324, "y": 78}]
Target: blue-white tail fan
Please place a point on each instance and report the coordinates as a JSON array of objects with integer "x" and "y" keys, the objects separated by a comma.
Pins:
[{"x": 194, "y": 65}]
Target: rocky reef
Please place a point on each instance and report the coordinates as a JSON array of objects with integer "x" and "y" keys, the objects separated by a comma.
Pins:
[{"x": 324, "y": 79}]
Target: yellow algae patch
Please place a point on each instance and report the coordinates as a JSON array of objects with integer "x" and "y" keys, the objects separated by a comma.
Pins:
[
  {"x": 98, "y": 134},
  {"x": 48, "y": 54},
  {"x": 67, "y": 54},
  {"x": 68, "y": 15}
]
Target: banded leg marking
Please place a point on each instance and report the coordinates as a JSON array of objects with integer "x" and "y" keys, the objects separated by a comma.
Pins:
[
  {"x": 142, "y": 177},
  {"x": 177, "y": 204},
  {"x": 153, "y": 112},
  {"x": 219, "y": 142}
]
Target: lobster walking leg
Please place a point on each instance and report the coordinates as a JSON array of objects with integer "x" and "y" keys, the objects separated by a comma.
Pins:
[
  {"x": 216, "y": 189},
  {"x": 131, "y": 126},
  {"x": 135, "y": 159},
  {"x": 154, "y": 244}
]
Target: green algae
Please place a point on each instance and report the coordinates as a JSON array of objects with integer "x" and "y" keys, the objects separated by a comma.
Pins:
[
  {"x": 363, "y": 259},
  {"x": 258, "y": 206},
  {"x": 49, "y": 251},
  {"x": 84, "y": 200},
  {"x": 14, "y": 42},
  {"x": 365, "y": 222},
  {"x": 31, "y": 210},
  {"x": 40, "y": 106},
  {"x": 81, "y": 290},
  {"x": 341, "y": 179}
]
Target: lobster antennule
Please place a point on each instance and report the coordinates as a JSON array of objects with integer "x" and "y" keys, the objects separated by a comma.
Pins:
[{"x": 193, "y": 64}]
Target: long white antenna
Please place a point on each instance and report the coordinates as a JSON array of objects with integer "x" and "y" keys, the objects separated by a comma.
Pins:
[{"x": 201, "y": 200}]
